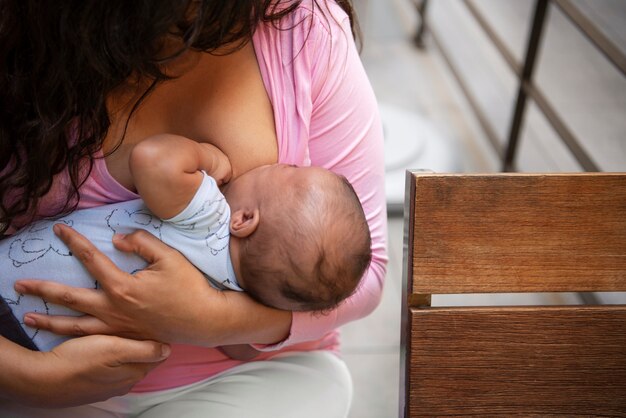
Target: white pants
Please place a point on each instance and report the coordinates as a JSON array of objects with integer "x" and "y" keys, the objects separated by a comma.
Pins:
[{"x": 299, "y": 385}]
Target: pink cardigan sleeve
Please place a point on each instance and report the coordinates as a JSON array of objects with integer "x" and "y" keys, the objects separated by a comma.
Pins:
[{"x": 345, "y": 136}]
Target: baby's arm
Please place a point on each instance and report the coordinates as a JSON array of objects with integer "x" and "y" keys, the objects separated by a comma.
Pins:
[{"x": 166, "y": 171}]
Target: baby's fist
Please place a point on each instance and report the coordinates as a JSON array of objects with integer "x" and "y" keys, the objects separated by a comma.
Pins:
[{"x": 220, "y": 168}]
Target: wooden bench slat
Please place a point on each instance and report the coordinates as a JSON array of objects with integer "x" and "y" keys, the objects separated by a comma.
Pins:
[
  {"x": 518, "y": 233},
  {"x": 531, "y": 361}
]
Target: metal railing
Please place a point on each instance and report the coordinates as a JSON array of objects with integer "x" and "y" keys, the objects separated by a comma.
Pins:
[{"x": 524, "y": 73}]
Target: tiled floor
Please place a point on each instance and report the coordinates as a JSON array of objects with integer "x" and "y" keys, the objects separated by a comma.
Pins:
[{"x": 420, "y": 82}]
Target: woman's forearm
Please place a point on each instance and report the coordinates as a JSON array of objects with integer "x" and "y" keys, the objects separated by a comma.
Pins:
[
  {"x": 15, "y": 363},
  {"x": 248, "y": 322}
]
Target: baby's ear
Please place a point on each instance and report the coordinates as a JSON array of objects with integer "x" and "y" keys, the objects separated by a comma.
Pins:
[{"x": 244, "y": 222}]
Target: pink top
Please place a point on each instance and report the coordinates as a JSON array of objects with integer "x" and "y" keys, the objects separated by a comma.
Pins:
[{"x": 326, "y": 115}]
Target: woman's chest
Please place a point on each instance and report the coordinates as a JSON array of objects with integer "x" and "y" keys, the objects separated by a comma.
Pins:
[{"x": 221, "y": 100}]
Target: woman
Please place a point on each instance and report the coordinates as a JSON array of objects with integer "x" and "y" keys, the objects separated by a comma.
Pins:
[{"x": 265, "y": 82}]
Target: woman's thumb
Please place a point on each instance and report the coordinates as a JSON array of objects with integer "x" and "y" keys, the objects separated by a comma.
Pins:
[{"x": 133, "y": 351}]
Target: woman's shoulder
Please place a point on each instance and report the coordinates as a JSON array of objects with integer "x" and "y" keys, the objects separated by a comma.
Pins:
[
  {"x": 310, "y": 20},
  {"x": 324, "y": 15},
  {"x": 312, "y": 42}
]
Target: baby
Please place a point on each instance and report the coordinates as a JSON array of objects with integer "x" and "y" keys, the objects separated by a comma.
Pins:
[{"x": 294, "y": 238}]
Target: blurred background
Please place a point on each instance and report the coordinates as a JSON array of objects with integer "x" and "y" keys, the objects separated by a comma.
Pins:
[{"x": 490, "y": 85}]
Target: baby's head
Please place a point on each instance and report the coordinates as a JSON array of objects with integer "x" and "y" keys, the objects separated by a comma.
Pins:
[{"x": 299, "y": 237}]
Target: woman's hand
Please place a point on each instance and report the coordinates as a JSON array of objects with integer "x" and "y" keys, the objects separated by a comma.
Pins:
[
  {"x": 159, "y": 303},
  {"x": 168, "y": 301},
  {"x": 79, "y": 371}
]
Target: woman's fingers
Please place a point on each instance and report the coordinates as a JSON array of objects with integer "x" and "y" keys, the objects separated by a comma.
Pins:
[
  {"x": 144, "y": 305},
  {"x": 133, "y": 351},
  {"x": 76, "y": 298},
  {"x": 67, "y": 325},
  {"x": 99, "y": 266},
  {"x": 144, "y": 244}
]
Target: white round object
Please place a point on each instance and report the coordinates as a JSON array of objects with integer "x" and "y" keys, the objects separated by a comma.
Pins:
[{"x": 411, "y": 142}]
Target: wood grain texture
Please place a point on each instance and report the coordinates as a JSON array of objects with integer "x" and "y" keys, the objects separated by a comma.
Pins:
[
  {"x": 519, "y": 233},
  {"x": 548, "y": 361}
]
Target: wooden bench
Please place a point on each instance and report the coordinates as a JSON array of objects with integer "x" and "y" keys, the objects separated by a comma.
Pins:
[{"x": 509, "y": 233}]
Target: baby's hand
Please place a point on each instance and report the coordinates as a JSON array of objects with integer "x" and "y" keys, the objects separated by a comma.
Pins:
[{"x": 219, "y": 165}]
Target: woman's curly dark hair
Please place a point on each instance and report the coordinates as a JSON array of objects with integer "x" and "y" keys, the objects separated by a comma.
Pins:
[{"x": 61, "y": 59}]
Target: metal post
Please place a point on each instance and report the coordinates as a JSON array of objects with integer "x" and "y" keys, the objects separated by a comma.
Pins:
[
  {"x": 418, "y": 39},
  {"x": 526, "y": 76}
]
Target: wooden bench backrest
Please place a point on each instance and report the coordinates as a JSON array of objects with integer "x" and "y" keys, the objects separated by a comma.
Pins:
[{"x": 511, "y": 233}]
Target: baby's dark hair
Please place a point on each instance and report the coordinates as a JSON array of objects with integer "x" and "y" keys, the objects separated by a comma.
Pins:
[{"x": 310, "y": 251}]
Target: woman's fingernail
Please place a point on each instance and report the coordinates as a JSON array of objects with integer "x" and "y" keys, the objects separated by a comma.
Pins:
[
  {"x": 165, "y": 350},
  {"x": 118, "y": 237},
  {"x": 30, "y": 321},
  {"x": 56, "y": 228},
  {"x": 19, "y": 288}
]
